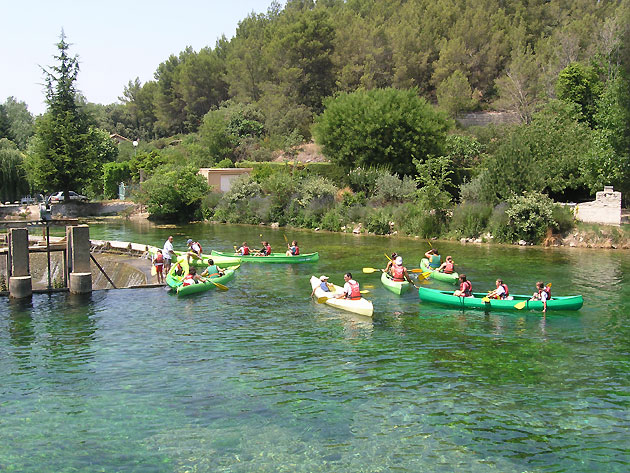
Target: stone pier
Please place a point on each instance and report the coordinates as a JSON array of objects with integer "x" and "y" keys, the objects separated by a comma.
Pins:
[
  {"x": 78, "y": 238},
  {"x": 20, "y": 283}
]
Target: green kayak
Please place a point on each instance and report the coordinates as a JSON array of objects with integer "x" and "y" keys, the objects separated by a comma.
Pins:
[
  {"x": 397, "y": 287},
  {"x": 448, "y": 299},
  {"x": 209, "y": 284},
  {"x": 220, "y": 260},
  {"x": 446, "y": 277},
  {"x": 273, "y": 258}
]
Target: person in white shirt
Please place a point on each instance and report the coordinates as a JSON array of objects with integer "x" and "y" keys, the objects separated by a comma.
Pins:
[{"x": 168, "y": 252}]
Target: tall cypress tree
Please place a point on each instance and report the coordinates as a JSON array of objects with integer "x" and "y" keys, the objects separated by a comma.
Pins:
[{"x": 60, "y": 157}]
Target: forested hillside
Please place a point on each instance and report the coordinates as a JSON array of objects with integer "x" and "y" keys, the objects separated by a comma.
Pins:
[{"x": 462, "y": 54}]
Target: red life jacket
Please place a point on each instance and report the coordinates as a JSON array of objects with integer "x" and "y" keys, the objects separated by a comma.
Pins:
[
  {"x": 297, "y": 250},
  {"x": 355, "y": 293},
  {"x": 449, "y": 267},
  {"x": 188, "y": 280},
  {"x": 245, "y": 250},
  {"x": 159, "y": 260},
  {"x": 398, "y": 273},
  {"x": 507, "y": 292},
  {"x": 267, "y": 250},
  {"x": 466, "y": 288}
]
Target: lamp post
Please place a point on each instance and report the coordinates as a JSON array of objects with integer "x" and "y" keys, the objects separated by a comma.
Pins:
[{"x": 135, "y": 147}]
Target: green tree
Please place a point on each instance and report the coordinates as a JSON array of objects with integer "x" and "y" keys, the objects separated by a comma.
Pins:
[
  {"x": 455, "y": 95},
  {"x": 380, "y": 127},
  {"x": 13, "y": 183},
  {"x": 21, "y": 123},
  {"x": 580, "y": 85},
  {"x": 174, "y": 194},
  {"x": 62, "y": 155}
]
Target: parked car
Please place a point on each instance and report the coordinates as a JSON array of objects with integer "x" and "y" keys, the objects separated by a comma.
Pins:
[{"x": 58, "y": 197}]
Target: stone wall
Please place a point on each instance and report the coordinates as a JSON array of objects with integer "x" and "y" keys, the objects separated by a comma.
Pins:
[{"x": 606, "y": 208}]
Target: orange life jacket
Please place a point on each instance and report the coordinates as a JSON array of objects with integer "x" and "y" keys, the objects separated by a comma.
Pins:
[
  {"x": 398, "y": 273},
  {"x": 466, "y": 288},
  {"x": 449, "y": 267},
  {"x": 355, "y": 293}
]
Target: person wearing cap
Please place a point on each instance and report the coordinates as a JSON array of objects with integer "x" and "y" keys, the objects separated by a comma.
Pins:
[
  {"x": 448, "y": 266},
  {"x": 398, "y": 272},
  {"x": 323, "y": 285},
  {"x": 195, "y": 248}
]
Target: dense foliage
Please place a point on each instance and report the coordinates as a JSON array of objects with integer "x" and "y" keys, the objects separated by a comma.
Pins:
[{"x": 380, "y": 127}]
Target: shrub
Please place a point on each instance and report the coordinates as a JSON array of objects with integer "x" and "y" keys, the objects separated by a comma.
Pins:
[
  {"x": 364, "y": 179},
  {"x": 225, "y": 163},
  {"x": 563, "y": 218},
  {"x": 209, "y": 203},
  {"x": 333, "y": 220},
  {"x": 318, "y": 189},
  {"x": 113, "y": 174},
  {"x": 531, "y": 214},
  {"x": 377, "y": 222},
  {"x": 174, "y": 194},
  {"x": 390, "y": 188},
  {"x": 414, "y": 219},
  {"x": 470, "y": 219},
  {"x": 499, "y": 224}
]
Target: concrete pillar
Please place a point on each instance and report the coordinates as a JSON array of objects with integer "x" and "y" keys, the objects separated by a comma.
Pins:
[
  {"x": 78, "y": 238},
  {"x": 20, "y": 283}
]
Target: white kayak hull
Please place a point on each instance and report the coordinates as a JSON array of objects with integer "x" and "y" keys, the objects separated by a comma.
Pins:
[{"x": 361, "y": 306}]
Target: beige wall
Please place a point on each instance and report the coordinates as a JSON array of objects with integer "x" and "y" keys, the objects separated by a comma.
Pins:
[
  {"x": 221, "y": 178},
  {"x": 606, "y": 208}
]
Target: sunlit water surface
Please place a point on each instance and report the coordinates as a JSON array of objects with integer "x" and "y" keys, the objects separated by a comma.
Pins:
[{"x": 261, "y": 378}]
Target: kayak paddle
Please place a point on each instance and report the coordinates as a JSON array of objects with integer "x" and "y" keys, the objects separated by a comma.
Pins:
[
  {"x": 219, "y": 286},
  {"x": 520, "y": 305},
  {"x": 371, "y": 270}
]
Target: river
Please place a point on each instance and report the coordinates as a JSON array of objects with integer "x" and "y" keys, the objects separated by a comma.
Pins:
[{"x": 263, "y": 379}]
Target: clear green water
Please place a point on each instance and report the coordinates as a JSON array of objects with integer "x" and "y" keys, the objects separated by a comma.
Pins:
[{"x": 262, "y": 379}]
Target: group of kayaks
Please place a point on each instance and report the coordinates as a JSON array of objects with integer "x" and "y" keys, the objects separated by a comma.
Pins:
[{"x": 359, "y": 306}]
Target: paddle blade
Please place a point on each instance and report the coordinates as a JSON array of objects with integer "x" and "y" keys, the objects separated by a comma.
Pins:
[
  {"x": 369, "y": 270},
  {"x": 415, "y": 270},
  {"x": 364, "y": 291},
  {"x": 153, "y": 270},
  {"x": 520, "y": 305},
  {"x": 321, "y": 300},
  {"x": 486, "y": 299},
  {"x": 219, "y": 286},
  {"x": 424, "y": 275}
]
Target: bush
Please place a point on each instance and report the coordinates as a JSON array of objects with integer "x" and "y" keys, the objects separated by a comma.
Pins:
[
  {"x": 364, "y": 179},
  {"x": 333, "y": 220},
  {"x": 470, "y": 219},
  {"x": 563, "y": 218},
  {"x": 174, "y": 194},
  {"x": 390, "y": 188},
  {"x": 499, "y": 224},
  {"x": 113, "y": 174},
  {"x": 318, "y": 189},
  {"x": 209, "y": 203},
  {"x": 531, "y": 214},
  {"x": 413, "y": 219},
  {"x": 225, "y": 163},
  {"x": 377, "y": 222}
]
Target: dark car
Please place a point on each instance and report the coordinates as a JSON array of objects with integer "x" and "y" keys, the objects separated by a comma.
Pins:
[{"x": 58, "y": 197}]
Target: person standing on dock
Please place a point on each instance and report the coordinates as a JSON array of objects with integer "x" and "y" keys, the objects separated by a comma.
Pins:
[
  {"x": 158, "y": 262},
  {"x": 167, "y": 253}
]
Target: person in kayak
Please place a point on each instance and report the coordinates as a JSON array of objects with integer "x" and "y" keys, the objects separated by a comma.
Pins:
[
  {"x": 212, "y": 271},
  {"x": 158, "y": 262},
  {"x": 294, "y": 249},
  {"x": 501, "y": 292},
  {"x": 265, "y": 250},
  {"x": 390, "y": 262},
  {"x": 323, "y": 285},
  {"x": 448, "y": 266},
  {"x": 398, "y": 272},
  {"x": 194, "y": 247},
  {"x": 192, "y": 277},
  {"x": 243, "y": 250},
  {"x": 543, "y": 293},
  {"x": 465, "y": 287},
  {"x": 178, "y": 271},
  {"x": 434, "y": 258},
  {"x": 350, "y": 289}
]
